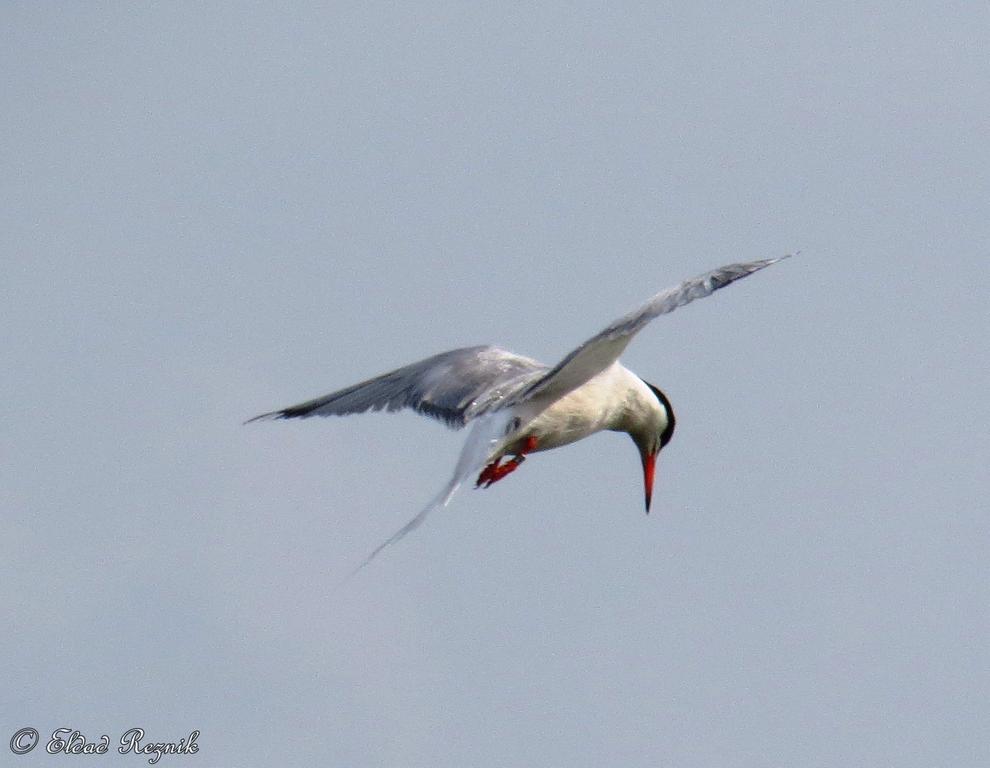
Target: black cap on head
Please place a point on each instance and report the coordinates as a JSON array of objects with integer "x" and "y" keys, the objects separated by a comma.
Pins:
[{"x": 671, "y": 421}]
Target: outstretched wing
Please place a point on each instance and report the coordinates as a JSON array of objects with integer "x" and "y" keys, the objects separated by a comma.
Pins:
[
  {"x": 454, "y": 387},
  {"x": 600, "y": 351}
]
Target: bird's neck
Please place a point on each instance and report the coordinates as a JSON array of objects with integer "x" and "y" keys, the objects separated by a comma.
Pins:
[{"x": 639, "y": 412}]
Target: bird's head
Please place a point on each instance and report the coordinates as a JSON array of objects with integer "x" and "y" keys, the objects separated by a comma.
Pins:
[{"x": 651, "y": 440}]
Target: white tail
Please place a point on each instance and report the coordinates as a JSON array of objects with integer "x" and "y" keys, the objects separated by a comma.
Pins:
[{"x": 484, "y": 439}]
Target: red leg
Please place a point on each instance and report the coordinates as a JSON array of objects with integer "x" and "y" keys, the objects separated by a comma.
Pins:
[{"x": 495, "y": 472}]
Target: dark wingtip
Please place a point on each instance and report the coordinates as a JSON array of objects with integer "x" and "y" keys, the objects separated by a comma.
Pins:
[
  {"x": 295, "y": 412},
  {"x": 756, "y": 266},
  {"x": 265, "y": 417}
]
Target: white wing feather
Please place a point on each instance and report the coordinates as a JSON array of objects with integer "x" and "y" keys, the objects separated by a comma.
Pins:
[
  {"x": 454, "y": 387},
  {"x": 601, "y": 350}
]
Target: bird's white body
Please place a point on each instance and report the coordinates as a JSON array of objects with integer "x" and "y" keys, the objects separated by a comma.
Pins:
[
  {"x": 616, "y": 399},
  {"x": 519, "y": 406}
]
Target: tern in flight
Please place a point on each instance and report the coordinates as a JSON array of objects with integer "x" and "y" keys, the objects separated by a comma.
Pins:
[{"x": 518, "y": 406}]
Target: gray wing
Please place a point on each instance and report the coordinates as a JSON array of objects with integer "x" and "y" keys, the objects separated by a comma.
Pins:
[
  {"x": 603, "y": 349},
  {"x": 454, "y": 387}
]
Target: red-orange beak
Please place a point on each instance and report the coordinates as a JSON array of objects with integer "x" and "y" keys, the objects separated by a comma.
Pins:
[{"x": 649, "y": 471}]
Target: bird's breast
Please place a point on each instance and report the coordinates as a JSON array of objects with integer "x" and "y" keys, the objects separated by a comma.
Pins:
[{"x": 599, "y": 404}]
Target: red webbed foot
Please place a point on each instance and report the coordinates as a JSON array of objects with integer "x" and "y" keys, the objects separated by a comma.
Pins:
[
  {"x": 487, "y": 475},
  {"x": 496, "y": 471}
]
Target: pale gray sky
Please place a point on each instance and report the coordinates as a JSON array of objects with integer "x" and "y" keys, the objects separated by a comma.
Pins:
[{"x": 211, "y": 211}]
